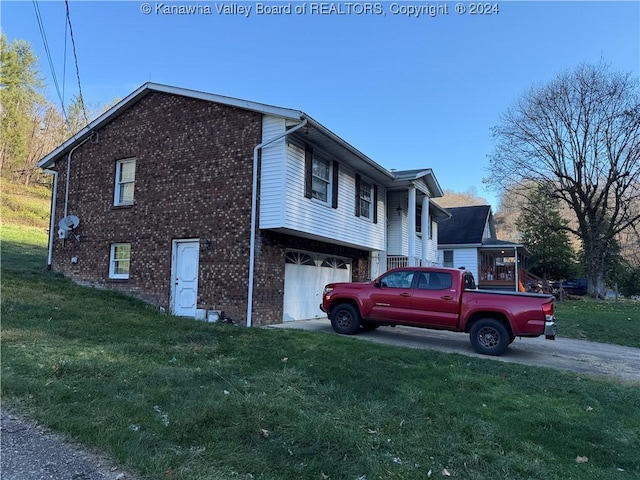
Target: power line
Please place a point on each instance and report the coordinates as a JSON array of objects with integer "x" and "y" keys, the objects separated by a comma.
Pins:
[
  {"x": 75, "y": 56},
  {"x": 48, "y": 53}
]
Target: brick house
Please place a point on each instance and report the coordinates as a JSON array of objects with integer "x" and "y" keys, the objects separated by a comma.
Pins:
[{"x": 199, "y": 204}]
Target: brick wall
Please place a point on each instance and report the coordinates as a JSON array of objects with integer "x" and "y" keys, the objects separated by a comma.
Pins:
[
  {"x": 193, "y": 180},
  {"x": 194, "y": 162},
  {"x": 270, "y": 264}
]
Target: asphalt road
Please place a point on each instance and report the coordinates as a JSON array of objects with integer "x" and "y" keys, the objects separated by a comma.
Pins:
[{"x": 599, "y": 359}]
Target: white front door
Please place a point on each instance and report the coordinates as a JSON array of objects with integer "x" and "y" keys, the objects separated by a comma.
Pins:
[{"x": 184, "y": 277}]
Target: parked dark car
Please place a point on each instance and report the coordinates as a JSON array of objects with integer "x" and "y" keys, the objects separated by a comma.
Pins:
[{"x": 573, "y": 286}]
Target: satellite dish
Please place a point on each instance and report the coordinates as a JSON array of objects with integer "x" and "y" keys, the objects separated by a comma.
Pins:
[{"x": 68, "y": 223}]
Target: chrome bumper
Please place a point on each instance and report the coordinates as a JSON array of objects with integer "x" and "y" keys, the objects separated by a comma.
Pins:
[{"x": 550, "y": 328}]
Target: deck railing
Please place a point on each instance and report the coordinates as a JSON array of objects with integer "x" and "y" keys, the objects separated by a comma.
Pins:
[{"x": 396, "y": 261}]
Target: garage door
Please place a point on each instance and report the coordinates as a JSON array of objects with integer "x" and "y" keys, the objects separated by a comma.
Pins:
[{"x": 305, "y": 275}]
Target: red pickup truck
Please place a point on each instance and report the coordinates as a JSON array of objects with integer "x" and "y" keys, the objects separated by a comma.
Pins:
[{"x": 440, "y": 298}]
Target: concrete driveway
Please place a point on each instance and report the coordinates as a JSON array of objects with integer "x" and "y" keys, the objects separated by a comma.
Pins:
[{"x": 600, "y": 359}]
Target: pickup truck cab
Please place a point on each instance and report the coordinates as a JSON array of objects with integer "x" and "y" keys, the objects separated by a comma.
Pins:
[{"x": 440, "y": 298}]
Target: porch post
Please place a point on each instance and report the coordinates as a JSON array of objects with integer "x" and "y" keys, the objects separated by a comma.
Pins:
[
  {"x": 516, "y": 272},
  {"x": 412, "y": 226},
  {"x": 426, "y": 229}
]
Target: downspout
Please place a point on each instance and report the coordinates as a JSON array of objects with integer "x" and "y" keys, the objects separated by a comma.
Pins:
[
  {"x": 52, "y": 214},
  {"x": 66, "y": 186},
  {"x": 254, "y": 206}
]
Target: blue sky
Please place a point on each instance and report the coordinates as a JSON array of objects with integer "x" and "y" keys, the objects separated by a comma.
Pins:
[{"x": 409, "y": 92}]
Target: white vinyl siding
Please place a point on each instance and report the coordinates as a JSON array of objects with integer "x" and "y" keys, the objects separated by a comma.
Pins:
[
  {"x": 432, "y": 249},
  {"x": 284, "y": 207},
  {"x": 462, "y": 257},
  {"x": 125, "y": 182},
  {"x": 487, "y": 230},
  {"x": 272, "y": 173}
]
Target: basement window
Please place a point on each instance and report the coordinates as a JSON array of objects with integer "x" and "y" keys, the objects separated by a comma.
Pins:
[{"x": 119, "y": 261}]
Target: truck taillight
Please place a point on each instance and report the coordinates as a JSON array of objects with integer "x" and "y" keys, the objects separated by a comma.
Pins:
[{"x": 548, "y": 309}]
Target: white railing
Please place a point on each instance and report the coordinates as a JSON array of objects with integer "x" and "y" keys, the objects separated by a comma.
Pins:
[{"x": 395, "y": 261}]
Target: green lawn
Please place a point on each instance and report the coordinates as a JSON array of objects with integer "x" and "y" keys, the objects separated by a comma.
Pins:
[
  {"x": 179, "y": 399},
  {"x": 600, "y": 321}
]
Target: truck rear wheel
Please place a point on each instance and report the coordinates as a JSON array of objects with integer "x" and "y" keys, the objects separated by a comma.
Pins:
[
  {"x": 345, "y": 319},
  {"x": 489, "y": 337}
]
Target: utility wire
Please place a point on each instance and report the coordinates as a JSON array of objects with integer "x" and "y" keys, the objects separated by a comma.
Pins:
[
  {"x": 75, "y": 56},
  {"x": 48, "y": 52}
]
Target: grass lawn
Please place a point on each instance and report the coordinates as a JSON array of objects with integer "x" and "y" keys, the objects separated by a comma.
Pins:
[
  {"x": 179, "y": 399},
  {"x": 600, "y": 321}
]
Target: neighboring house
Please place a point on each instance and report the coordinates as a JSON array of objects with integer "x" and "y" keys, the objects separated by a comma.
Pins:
[
  {"x": 201, "y": 204},
  {"x": 468, "y": 239}
]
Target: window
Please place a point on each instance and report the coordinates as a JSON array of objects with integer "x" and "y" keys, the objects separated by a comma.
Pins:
[
  {"x": 365, "y": 199},
  {"x": 119, "y": 260},
  {"x": 320, "y": 179},
  {"x": 448, "y": 258},
  {"x": 469, "y": 282},
  {"x": 334, "y": 262},
  {"x": 401, "y": 279},
  {"x": 434, "y": 281},
  {"x": 299, "y": 258},
  {"x": 125, "y": 181}
]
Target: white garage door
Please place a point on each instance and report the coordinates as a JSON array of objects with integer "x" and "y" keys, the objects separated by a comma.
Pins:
[{"x": 305, "y": 275}]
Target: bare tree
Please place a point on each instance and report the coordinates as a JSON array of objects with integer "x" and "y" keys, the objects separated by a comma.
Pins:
[
  {"x": 461, "y": 199},
  {"x": 578, "y": 139}
]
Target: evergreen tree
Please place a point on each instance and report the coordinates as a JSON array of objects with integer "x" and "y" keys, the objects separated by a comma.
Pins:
[{"x": 540, "y": 225}]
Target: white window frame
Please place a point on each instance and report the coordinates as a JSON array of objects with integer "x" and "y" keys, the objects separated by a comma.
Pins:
[
  {"x": 113, "y": 262},
  {"x": 120, "y": 183},
  {"x": 365, "y": 201},
  {"x": 325, "y": 181}
]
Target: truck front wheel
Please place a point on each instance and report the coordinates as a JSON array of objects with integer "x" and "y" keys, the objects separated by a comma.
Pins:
[
  {"x": 489, "y": 337},
  {"x": 345, "y": 319}
]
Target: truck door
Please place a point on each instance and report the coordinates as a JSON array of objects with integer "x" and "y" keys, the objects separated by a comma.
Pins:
[
  {"x": 436, "y": 300},
  {"x": 391, "y": 299}
]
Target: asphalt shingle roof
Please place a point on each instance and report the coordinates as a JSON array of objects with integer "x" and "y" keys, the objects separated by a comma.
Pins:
[{"x": 465, "y": 226}]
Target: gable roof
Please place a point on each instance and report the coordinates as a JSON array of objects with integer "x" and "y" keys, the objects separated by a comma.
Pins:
[
  {"x": 406, "y": 178},
  {"x": 142, "y": 92},
  {"x": 315, "y": 133},
  {"x": 466, "y": 225}
]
